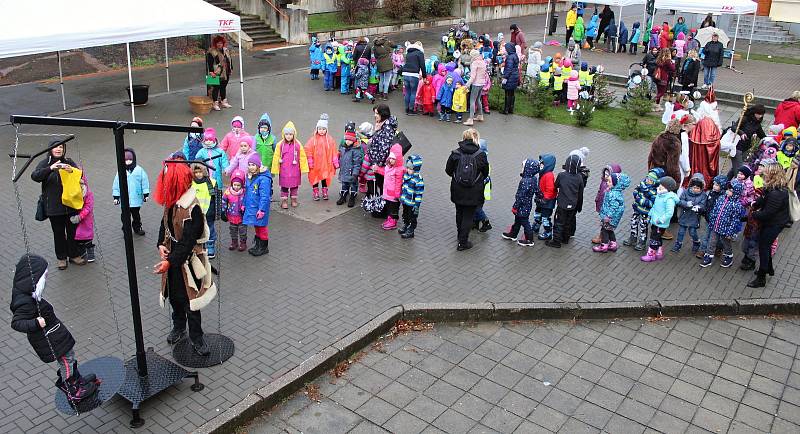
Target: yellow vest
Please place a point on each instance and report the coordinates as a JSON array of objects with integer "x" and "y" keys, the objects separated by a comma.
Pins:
[
  {"x": 583, "y": 77},
  {"x": 544, "y": 79},
  {"x": 758, "y": 182},
  {"x": 566, "y": 71},
  {"x": 460, "y": 100},
  {"x": 558, "y": 82},
  {"x": 203, "y": 194},
  {"x": 590, "y": 80}
]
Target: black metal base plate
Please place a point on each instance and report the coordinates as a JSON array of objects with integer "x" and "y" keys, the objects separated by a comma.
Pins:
[
  {"x": 161, "y": 375},
  {"x": 221, "y": 347},
  {"x": 109, "y": 370}
]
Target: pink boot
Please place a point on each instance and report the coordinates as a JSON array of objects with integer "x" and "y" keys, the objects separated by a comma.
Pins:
[
  {"x": 390, "y": 224},
  {"x": 660, "y": 254},
  {"x": 600, "y": 248},
  {"x": 325, "y": 193},
  {"x": 650, "y": 256},
  {"x": 612, "y": 246},
  {"x": 315, "y": 194}
]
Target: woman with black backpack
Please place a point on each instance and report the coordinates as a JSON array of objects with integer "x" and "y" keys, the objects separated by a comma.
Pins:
[{"x": 468, "y": 166}]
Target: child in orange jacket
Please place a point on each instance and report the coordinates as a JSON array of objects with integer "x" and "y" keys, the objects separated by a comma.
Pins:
[{"x": 323, "y": 159}]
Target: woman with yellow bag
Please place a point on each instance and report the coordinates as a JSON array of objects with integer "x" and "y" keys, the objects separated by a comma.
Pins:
[{"x": 60, "y": 200}]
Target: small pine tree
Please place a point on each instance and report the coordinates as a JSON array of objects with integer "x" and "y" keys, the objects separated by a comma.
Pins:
[
  {"x": 603, "y": 96},
  {"x": 541, "y": 99},
  {"x": 584, "y": 112},
  {"x": 639, "y": 102}
]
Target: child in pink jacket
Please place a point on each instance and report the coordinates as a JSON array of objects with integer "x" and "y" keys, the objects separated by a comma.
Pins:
[
  {"x": 84, "y": 233},
  {"x": 239, "y": 160},
  {"x": 230, "y": 143},
  {"x": 393, "y": 185},
  {"x": 573, "y": 89}
]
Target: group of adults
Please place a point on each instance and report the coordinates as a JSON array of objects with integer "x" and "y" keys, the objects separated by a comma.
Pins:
[{"x": 690, "y": 146}]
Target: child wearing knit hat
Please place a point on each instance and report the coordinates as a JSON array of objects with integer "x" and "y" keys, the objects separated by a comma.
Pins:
[
  {"x": 233, "y": 210},
  {"x": 660, "y": 215},
  {"x": 323, "y": 160},
  {"x": 350, "y": 158},
  {"x": 289, "y": 162},
  {"x": 212, "y": 155},
  {"x": 193, "y": 141},
  {"x": 206, "y": 190},
  {"x": 257, "y": 195}
]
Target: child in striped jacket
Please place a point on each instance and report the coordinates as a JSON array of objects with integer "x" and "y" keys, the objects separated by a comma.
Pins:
[{"x": 411, "y": 196}]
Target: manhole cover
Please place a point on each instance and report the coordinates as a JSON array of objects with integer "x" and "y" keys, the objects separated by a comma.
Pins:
[{"x": 45, "y": 89}]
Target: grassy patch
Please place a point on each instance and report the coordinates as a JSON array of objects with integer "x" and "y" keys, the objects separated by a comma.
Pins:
[
  {"x": 328, "y": 21},
  {"x": 774, "y": 59},
  {"x": 612, "y": 120}
]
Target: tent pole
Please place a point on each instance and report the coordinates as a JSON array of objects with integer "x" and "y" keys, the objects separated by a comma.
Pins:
[
  {"x": 546, "y": 22},
  {"x": 61, "y": 81},
  {"x": 166, "y": 56},
  {"x": 752, "y": 29},
  {"x": 241, "y": 72},
  {"x": 130, "y": 81},
  {"x": 735, "y": 35},
  {"x": 619, "y": 24}
]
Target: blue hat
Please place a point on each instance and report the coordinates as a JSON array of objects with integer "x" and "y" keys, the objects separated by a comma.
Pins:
[{"x": 545, "y": 68}]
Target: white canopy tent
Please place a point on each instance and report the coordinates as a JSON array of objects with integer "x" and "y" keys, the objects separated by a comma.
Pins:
[
  {"x": 44, "y": 26},
  {"x": 716, "y": 7},
  {"x": 613, "y": 3}
]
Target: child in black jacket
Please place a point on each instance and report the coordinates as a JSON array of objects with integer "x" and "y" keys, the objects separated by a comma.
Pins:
[
  {"x": 569, "y": 201},
  {"x": 50, "y": 338}
]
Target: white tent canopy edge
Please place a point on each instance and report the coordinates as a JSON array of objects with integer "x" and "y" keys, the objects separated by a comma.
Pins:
[{"x": 90, "y": 23}]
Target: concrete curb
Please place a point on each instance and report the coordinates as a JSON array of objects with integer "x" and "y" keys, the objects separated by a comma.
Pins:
[
  {"x": 284, "y": 386},
  {"x": 379, "y": 30}
]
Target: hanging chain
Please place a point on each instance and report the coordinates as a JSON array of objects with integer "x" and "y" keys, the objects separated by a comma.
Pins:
[{"x": 26, "y": 240}]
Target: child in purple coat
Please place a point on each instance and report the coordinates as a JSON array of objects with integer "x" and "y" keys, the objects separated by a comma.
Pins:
[{"x": 289, "y": 163}]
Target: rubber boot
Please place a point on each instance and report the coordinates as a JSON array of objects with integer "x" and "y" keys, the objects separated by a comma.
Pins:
[
  {"x": 410, "y": 232},
  {"x": 747, "y": 264},
  {"x": 315, "y": 193},
  {"x": 73, "y": 388},
  {"x": 351, "y": 201},
  {"x": 650, "y": 256},
  {"x": 600, "y": 248},
  {"x": 284, "y": 203},
  {"x": 759, "y": 281},
  {"x": 234, "y": 245},
  {"x": 342, "y": 198},
  {"x": 403, "y": 230},
  {"x": 83, "y": 379},
  {"x": 612, "y": 246},
  {"x": 486, "y": 226},
  {"x": 660, "y": 254},
  {"x": 253, "y": 250},
  {"x": 325, "y": 193}
]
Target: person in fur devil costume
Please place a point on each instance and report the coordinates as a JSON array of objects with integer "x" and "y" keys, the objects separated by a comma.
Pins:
[{"x": 184, "y": 268}]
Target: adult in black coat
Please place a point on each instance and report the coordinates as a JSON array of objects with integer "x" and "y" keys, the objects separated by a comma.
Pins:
[
  {"x": 606, "y": 16},
  {"x": 649, "y": 61},
  {"x": 467, "y": 196},
  {"x": 708, "y": 21},
  {"x": 510, "y": 80},
  {"x": 569, "y": 202},
  {"x": 412, "y": 71},
  {"x": 49, "y": 337},
  {"x": 750, "y": 129},
  {"x": 362, "y": 49},
  {"x": 713, "y": 54},
  {"x": 46, "y": 173},
  {"x": 771, "y": 211}
]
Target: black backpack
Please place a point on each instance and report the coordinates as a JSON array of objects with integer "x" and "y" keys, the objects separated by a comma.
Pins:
[{"x": 467, "y": 173}]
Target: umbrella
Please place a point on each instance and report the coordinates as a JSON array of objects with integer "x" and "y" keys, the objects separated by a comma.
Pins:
[{"x": 704, "y": 35}]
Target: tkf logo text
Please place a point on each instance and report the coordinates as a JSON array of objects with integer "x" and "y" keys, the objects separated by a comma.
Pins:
[{"x": 225, "y": 23}]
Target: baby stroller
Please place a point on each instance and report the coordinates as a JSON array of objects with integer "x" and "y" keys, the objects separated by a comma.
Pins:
[{"x": 637, "y": 76}]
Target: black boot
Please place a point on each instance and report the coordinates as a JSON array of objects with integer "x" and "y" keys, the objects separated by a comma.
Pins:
[
  {"x": 410, "y": 232},
  {"x": 200, "y": 347},
  {"x": 342, "y": 198},
  {"x": 74, "y": 389},
  {"x": 351, "y": 201},
  {"x": 485, "y": 226},
  {"x": 83, "y": 379},
  {"x": 747, "y": 264},
  {"x": 404, "y": 229},
  {"x": 138, "y": 230},
  {"x": 175, "y": 335},
  {"x": 260, "y": 248},
  {"x": 253, "y": 250},
  {"x": 760, "y": 281}
]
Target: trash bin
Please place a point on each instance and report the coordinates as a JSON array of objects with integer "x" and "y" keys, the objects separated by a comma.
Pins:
[
  {"x": 553, "y": 24},
  {"x": 140, "y": 93}
]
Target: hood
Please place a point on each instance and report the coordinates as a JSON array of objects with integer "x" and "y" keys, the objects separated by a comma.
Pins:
[
  {"x": 380, "y": 40},
  {"x": 681, "y": 36},
  {"x": 572, "y": 164},
  {"x": 656, "y": 173},
  {"x": 622, "y": 27},
  {"x": 133, "y": 153},
  {"x": 722, "y": 180},
  {"x": 623, "y": 182},
  {"x": 737, "y": 188},
  {"x": 290, "y": 127},
  {"x": 237, "y": 118},
  {"x": 636, "y": 25},
  {"x": 414, "y": 46},
  {"x": 530, "y": 167},
  {"x": 484, "y": 145},
  {"x": 441, "y": 69},
  {"x": 265, "y": 120},
  {"x": 27, "y": 274},
  {"x": 510, "y": 49},
  {"x": 792, "y": 141},
  {"x": 699, "y": 178},
  {"x": 611, "y": 168},
  {"x": 468, "y": 146},
  {"x": 416, "y": 162},
  {"x": 595, "y": 19},
  {"x": 397, "y": 151},
  {"x": 548, "y": 161},
  {"x": 450, "y": 67}
]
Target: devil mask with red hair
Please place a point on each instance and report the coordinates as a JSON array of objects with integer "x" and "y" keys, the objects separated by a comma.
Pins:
[{"x": 172, "y": 183}]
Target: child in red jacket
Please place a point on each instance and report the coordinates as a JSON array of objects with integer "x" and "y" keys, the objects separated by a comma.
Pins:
[
  {"x": 426, "y": 95},
  {"x": 546, "y": 198}
]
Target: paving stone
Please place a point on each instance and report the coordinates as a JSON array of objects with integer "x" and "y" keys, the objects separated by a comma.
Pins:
[
  {"x": 666, "y": 423},
  {"x": 416, "y": 379},
  {"x": 501, "y": 419},
  {"x": 471, "y": 406},
  {"x": 489, "y": 391},
  {"x": 548, "y": 418},
  {"x": 562, "y": 402},
  {"x": 636, "y": 411},
  {"x": 403, "y": 422},
  {"x": 593, "y": 415},
  {"x": 325, "y": 417},
  {"x": 425, "y": 408},
  {"x": 443, "y": 393},
  {"x": 622, "y": 424},
  {"x": 461, "y": 378},
  {"x": 719, "y": 404},
  {"x": 397, "y": 394},
  {"x": 711, "y": 421},
  {"x": 755, "y": 418},
  {"x": 606, "y": 398},
  {"x": 478, "y": 364},
  {"x": 575, "y": 386},
  {"x": 452, "y": 421},
  {"x": 577, "y": 426},
  {"x": 517, "y": 404}
]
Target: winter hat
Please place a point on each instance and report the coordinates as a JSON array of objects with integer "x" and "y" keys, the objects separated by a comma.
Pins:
[
  {"x": 571, "y": 44},
  {"x": 254, "y": 158},
  {"x": 248, "y": 140},
  {"x": 350, "y": 126},
  {"x": 197, "y": 120},
  {"x": 545, "y": 68},
  {"x": 350, "y": 135},
  {"x": 363, "y": 61},
  {"x": 567, "y": 63},
  {"x": 573, "y": 76},
  {"x": 791, "y": 131},
  {"x": 238, "y": 119},
  {"x": 582, "y": 152},
  {"x": 500, "y": 36},
  {"x": 584, "y": 66},
  {"x": 365, "y": 129},
  {"x": 557, "y": 71},
  {"x": 323, "y": 121},
  {"x": 177, "y": 155},
  {"x": 537, "y": 44},
  {"x": 237, "y": 176},
  {"x": 697, "y": 181},
  {"x": 746, "y": 171},
  {"x": 668, "y": 183}
]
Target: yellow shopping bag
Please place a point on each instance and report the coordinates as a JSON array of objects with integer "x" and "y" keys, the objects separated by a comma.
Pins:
[{"x": 71, "y": 195}]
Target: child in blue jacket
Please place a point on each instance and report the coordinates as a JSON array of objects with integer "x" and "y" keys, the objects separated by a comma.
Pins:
[
  {"x": 635, "y": 38},
  {"x": 315, "y": 56},
  {"x": 445, "y": 98},
  {"x": 527, "y": 189},
  {"x": 138, "y": 189},
  {"x": 330, "y": 66},
  {"x": 643, "y": 196},
  {"x": 660, "y": 216},
  {"x": 257, "y": 195},
  {"x": 692, "y": 206},
  {"x": 611, "y": 211},
  {"x": 725, "y": 221},
  {"x": 411, "y": 197}
]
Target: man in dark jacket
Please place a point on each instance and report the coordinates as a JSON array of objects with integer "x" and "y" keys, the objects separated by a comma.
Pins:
[
  {"x": 382, "y": 50},
  {"x": 52, "y": 341},
  {"x": 362, "y": 49},
  {"x": 412, "y": 71},
  {"x": 569, "y": 201},
  {"x": 649, "y": 61},
  {"x": 467, "y": 194},
  {"x": 713, "y": 52},
  {"x": 510, "y": 77}
]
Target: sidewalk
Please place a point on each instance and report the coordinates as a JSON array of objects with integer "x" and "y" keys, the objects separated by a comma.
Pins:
[
  {"x": 772, "y": 80},
  {"x": 619, "y": 376}
]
